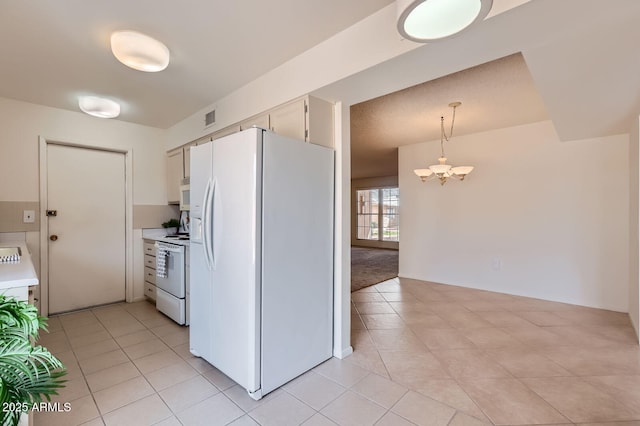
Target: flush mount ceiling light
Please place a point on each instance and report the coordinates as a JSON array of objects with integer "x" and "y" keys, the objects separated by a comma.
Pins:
[
  {"x": 139, "y": 51},
  {"x": 99, "y": 107},
  {"x": 443, "y": 171},
  {"x": 428, "y": 20}
]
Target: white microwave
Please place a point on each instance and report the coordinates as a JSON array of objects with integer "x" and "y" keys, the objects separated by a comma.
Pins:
[{"x": 184, "y": 197}]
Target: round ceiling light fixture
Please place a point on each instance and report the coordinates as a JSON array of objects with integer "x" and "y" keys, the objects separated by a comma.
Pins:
[
  {"x": 139, "y": 51},
  {"x": 99, "y": 107},
  {"x": 428, "y": 20}
]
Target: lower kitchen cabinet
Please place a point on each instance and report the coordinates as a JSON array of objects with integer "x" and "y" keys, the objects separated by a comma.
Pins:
[{"x": 150, "y": 269}]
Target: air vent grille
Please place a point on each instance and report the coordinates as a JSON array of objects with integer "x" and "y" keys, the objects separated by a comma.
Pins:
[{"x": 210, "y": 118}]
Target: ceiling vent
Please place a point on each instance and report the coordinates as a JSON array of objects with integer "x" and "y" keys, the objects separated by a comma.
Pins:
[{"x": 210, "y": 118}]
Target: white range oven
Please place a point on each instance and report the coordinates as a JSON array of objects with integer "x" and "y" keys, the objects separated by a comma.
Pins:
[{"x": 171, "y": 281}]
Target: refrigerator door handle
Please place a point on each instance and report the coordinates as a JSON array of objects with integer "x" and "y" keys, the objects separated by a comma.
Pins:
[
  {"x": 212, "y": 205},
  {"x": 206, "y": 222}
]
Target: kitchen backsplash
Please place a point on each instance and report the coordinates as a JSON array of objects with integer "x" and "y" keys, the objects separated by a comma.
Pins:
[
  {"x": 144, "y": 216},
  {"x": 152, "y": 216},
  {"x": 11, "y": 215}
]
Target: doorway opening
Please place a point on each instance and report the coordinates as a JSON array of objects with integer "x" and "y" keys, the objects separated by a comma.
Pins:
[{"x": 375, "y": 234}]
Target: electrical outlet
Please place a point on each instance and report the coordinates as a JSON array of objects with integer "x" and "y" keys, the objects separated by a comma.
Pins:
[{"x": 28, "y": 216}]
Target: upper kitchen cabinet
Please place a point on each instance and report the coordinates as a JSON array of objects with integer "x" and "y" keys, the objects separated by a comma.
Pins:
[
  {"x": 309, "y": 119},
  {"x": 318, "y": 121},
  {"x": 187, "y": 159},
  {"x": 289, "y": 120},
  {"x": 261, "y": 121},
  {"x": 225, "y": 132},
  {"x": 175, "y": 174}
]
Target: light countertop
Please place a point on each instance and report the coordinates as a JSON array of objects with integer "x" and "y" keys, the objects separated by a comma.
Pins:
[
  {"x": 20, "y": 274},
  {"x": 159, "y": 234},
  {"x": 169, "y": 240}
]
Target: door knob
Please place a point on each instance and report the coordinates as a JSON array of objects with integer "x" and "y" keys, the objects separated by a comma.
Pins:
[{"x": 53, "y": 237}]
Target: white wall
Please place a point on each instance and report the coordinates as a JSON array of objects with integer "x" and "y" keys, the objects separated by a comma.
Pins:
[
  {"x": 537, "y": 217},
  {"x": 365, "y": 44},
  {"x": 634, "y": 222},
  {"x": 22, "y": 123}
]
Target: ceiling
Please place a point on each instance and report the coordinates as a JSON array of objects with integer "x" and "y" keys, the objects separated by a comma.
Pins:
[
  {"x": 573, "y": 62},
  {"x": 53, "y": 52},
  {"x": 494, "y": 95}
]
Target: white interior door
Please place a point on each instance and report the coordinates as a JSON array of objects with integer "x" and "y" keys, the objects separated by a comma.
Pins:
[{"x": 86, "y": 244}]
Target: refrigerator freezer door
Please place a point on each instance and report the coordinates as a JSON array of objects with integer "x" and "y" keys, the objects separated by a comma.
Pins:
[
  {"x": 297, "y": 258},
  {"x": 200, "y": 291},
  {"x": 236, "y": 170},
  {"x": 200, "y": 303},
  {"x": 200, "y": 176}
]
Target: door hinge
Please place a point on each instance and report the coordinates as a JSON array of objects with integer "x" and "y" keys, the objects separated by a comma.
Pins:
[
  {"x": 306, "y": 108},
  {"x": 306, "y": 134},
  {"x": 52, "y": 213}
]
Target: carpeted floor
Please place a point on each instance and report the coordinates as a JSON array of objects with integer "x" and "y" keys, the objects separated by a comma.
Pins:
[{"x": 372, "y": 265}]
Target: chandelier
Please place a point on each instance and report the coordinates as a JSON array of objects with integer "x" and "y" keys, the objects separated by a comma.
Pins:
[{"x": 442, "y": 170}]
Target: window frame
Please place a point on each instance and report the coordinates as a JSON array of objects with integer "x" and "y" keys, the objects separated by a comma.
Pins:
[{"x": 380, "y": 214}]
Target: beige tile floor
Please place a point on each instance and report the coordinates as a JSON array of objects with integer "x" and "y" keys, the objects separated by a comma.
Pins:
[{"x": 424, "y": 354}]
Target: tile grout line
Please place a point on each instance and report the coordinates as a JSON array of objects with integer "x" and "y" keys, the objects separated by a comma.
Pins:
[
  {"x": 156, "y": 392},
  {"x": 121, "y": 348},
  {"x": 455, "y": 379}
]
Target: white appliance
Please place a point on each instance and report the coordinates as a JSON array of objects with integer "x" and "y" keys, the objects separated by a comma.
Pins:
[
  {"x": 185, "y": 195},
  {"x": 261, "y": 257},
  {"x": 170, "y": 281}
]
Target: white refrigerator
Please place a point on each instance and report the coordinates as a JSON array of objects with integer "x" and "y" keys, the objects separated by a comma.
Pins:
[{"x": 261, "y": 257}]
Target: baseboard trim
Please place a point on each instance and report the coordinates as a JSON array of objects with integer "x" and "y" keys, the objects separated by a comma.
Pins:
[
  {"x": 342, "y": 354},
  {"x": 634, "y": 325}
]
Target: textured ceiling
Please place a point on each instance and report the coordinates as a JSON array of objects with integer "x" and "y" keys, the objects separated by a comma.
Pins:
[{"x": 494, "y": 95}]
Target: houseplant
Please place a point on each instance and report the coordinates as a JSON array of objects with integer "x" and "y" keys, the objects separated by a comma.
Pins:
[
  {"x": 28, "y": 372},
  {"x": 171, "y": 225}
]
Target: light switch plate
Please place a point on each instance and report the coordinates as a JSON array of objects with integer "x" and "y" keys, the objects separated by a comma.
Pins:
[{"x": 28, "y": 216}]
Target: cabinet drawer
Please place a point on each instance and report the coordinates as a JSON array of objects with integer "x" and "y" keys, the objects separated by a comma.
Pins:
[
  {"x": 150, "y": 275},
  {"x": 149, "y": 261},
  {"x": 150, "y": 291},
  {"x": 150, "y": 249}
]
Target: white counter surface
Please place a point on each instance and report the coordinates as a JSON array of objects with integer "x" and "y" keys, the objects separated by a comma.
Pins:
[
  {"x": 168, "y": 240},
  {"x": 160, "y": 234},
  {"x": 19, "y": 274},
  {"x": 171, "y": 241}
]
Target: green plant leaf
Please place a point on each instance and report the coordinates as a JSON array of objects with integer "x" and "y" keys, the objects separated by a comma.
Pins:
[{"x": 28, "y": 373}]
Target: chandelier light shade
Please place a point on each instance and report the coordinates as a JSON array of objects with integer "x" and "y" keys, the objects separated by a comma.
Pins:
[
  {"x": 99, "y": 107},
  {"x": 139, "y": 51},
  {"x": 443, "y": 171},
  {"x": 428, "y": 20}
]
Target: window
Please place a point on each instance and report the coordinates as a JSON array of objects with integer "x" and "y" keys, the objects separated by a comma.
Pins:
[{"x": 377, "y": 214}]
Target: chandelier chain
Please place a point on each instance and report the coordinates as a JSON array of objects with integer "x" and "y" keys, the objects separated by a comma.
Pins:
[{"x": 443, "y": 134}]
